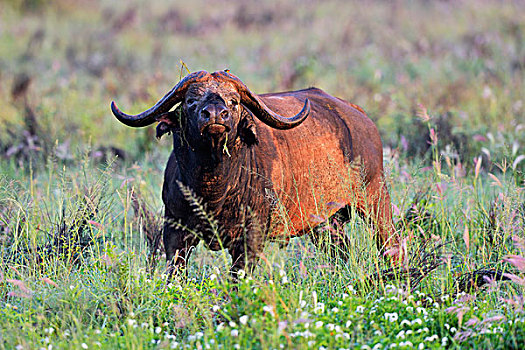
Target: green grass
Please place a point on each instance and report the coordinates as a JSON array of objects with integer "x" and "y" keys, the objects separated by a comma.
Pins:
[
  {"x": 75, "y": 267},
  {"x": 103, "y": 294}
]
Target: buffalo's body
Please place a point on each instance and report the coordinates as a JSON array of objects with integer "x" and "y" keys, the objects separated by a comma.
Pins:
[{"x": 259, "y": 181}]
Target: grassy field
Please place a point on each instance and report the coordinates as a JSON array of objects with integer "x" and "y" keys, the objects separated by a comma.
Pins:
[{"x": 445, "y": 83}]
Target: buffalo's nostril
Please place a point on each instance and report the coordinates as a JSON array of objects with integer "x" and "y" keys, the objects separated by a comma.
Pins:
[
  {"x": 224, "y": 114},
  {"x": 213, "y": 111},
  {"x": 205, "y": 113}
]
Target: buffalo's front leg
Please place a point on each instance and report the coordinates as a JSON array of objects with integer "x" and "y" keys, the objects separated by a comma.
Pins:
[
  {"x": 178, "y": 245},
  {"x": 244, "y": 254}
]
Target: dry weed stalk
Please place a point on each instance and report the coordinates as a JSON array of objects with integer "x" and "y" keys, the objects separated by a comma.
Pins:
[{"x": 151, "y": 225}]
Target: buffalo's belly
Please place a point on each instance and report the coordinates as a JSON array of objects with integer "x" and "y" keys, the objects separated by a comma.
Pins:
[{"x": 314, "y": 186}]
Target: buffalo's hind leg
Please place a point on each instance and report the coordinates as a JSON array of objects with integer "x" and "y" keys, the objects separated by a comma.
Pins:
[
  {"x": 378, "y": 212},
  {"x": 331, "y": 236},
  {"x": 178, "y": 245}
]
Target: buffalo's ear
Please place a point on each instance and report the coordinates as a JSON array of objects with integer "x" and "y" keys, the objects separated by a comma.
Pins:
[
  {"x": 163, "y": 128},
  {"x": 169, "y": 122},
  {"x": 247, "y": 129}
]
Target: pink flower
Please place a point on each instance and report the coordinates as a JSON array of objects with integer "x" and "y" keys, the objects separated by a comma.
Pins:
[
  {"x": 479, "y": 138},
  {"x": 23, "y": 291},
  {"x": 493, "y": 319},
  {"x": 519, "y": 242},
  {"x": 515, "y": 279},
  {"x": 20, "y": 284},
  {"x": 516, "y": 260},
  {"x": 49, "y": 281}
]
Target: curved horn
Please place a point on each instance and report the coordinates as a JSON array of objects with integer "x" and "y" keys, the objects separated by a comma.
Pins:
[
  {"x": 260, "y": 109},
  {"x": 169, "y": 100}
]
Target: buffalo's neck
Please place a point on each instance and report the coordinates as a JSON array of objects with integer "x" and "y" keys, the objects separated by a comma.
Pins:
[{"x": 216, "y": 179}]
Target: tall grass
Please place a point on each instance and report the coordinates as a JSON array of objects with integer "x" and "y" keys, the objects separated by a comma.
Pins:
[{"x": 103, "y": 292}]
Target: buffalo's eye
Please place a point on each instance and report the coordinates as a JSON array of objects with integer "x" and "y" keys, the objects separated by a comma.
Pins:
[
  {"x": 191, "y": 101},
  {"x": 234, "y": 102}
]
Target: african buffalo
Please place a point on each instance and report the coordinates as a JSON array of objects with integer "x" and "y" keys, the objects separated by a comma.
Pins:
[{"x": 263, "y": 166}]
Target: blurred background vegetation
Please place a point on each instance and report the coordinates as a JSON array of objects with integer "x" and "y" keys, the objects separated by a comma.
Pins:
[{"x": 63, "y": 61}]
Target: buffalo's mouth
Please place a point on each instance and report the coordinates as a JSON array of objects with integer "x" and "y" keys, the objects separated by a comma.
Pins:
[
  {"x": 216, "y": 134},
  {"x": 214, "y": 129}
]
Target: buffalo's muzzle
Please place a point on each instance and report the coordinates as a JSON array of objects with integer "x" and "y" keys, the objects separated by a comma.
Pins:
[{"x": 215, "y": 129}]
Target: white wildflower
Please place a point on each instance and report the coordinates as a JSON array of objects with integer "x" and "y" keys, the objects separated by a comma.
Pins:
[
  {"x": 417, "y": 321},
  {"x": 392, "y": 317},
  {"x": 421, "y": 310},
  {"x": 234, "y": 333},
  {"x": 432, "y": 338},
  {"x": 360, "y": 309},
  {"x": 269, "y": 310},
  {"x": 243, "y": 319},
  {"x": 319, "y": 308}
]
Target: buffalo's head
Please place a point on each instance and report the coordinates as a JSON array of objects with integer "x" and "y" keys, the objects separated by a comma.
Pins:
[{"x": 213, "y": 108}]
